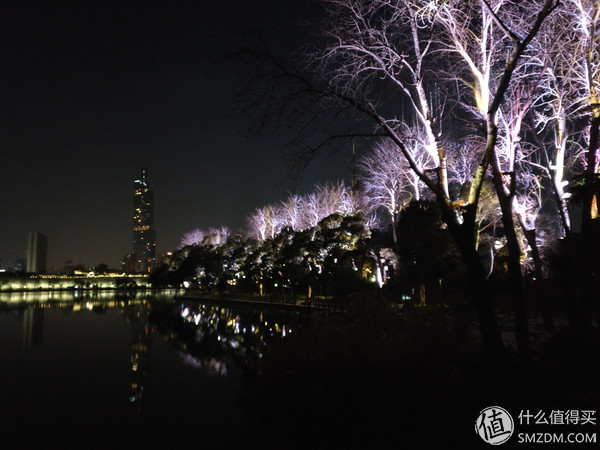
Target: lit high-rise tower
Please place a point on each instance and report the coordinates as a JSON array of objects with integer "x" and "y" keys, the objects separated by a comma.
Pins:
[{"x": 144, "y": 236}]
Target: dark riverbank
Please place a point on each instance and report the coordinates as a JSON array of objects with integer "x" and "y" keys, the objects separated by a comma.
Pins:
[
  {"x": 231, "y": 374},
  {"x": 371, "y": 379},
  {"x": 272, "y": 302}
]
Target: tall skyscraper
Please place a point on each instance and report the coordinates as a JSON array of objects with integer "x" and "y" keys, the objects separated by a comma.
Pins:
[
  {"x": 37, "y": 251},
  {"x": 144, "y": 236}
]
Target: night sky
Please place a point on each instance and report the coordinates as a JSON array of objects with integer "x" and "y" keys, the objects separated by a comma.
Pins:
[{"x": 94, "y": 91}]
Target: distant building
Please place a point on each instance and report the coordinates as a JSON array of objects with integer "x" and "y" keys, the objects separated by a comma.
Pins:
[
  {"x": 37, "y": 252},
  {"x": 144, "y": 236},
  {"x": 129, "y": 263},
  {"x": 20, "y": 265}
]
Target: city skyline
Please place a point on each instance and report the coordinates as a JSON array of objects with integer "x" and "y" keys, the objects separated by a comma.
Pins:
[{"x": 92, "y": 91}]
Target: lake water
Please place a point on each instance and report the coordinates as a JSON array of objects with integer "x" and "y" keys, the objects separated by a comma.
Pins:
[{"x": 110, "y": 372}]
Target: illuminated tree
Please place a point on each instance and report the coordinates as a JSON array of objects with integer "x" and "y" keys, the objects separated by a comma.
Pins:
[
  {"x": 428, "y": 56},
  {"x": 353, "y": 201},
  {"x": 212, "y": 236},
  {"x": 327, "y": 199},
  {"x": 264, "y": 223},
  {"x": 335, "y": 198},
  {"x": 465, "y": 77},
  {"x": 582, "y": 63},
  {"x": 376, "y": 40},
  {"x": 559, "y": 84},
  {"x": 194, "y": 237},
  {"x": 587, "y": 20},
  {"x": 291, "y": 212},
  {"x": 216, "y": 236},
  {"x": 567, "y": 59},
  {"x": 388, "y": 181}
]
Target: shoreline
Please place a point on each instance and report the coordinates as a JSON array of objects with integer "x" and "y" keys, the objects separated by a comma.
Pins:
[{"x": 300, "y": 305}]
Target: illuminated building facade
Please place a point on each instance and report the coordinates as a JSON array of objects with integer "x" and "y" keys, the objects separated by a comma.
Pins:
[
  {"x": 144, "y": 236},
  {"x": 37, "y": 251}
]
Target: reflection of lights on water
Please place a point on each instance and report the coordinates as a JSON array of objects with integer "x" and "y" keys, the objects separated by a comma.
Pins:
[
  {"x": 212, "y": 365},
  {"x": 223, "y": 325}
]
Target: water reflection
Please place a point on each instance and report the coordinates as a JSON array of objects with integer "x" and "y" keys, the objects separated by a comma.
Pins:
[
  {"x": 18, "y": 297},
  {"x": 208, "y": 337},
  {"x": 104, "y": 363},
  {"x": 214, "y": 338},
  {"x": 141, "y": 341},
  {"x": 33, "y": 325}
]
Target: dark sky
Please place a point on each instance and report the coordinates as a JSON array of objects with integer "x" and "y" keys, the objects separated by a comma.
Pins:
[{"x": 93, "y": 91}]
